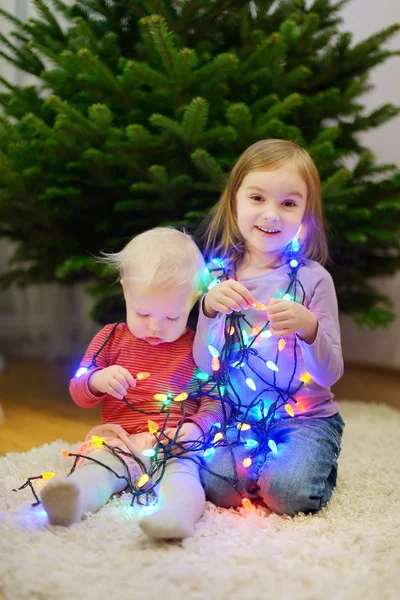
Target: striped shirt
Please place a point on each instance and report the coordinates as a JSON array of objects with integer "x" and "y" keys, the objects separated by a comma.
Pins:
[{"x": 172, "y": 372}]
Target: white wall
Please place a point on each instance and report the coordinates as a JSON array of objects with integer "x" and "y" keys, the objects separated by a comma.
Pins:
[
  {"x": 364, "y": 18},
  {"x": 51, "y": 321}
]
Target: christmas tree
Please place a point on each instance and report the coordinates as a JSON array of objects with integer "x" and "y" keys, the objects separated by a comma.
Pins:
[{"x": 139, "y": 110}]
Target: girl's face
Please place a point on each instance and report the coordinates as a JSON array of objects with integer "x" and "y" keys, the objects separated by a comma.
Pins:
[{"x": 270, "y": 209}]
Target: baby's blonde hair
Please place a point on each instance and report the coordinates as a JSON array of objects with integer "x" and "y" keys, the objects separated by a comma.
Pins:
[
  {"x": 222, "y": 234},
  {"x": 161, "y": 258}
]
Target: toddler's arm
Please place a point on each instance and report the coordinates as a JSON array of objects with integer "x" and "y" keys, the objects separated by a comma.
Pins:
[{"x": 79, "y": 389}]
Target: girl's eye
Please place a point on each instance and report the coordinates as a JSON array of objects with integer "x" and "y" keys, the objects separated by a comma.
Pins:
[
  {"x": 289, "y": 203},
  {"x": 142, "y": 316},
  {"x": 256, "y": 198},
  {"x": 171, "y": 319}
]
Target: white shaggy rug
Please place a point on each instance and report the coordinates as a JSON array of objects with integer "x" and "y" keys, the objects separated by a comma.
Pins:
[{"x": 350, "y": 550}]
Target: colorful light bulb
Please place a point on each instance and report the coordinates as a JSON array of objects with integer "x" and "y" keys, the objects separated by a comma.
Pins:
[
  {"x": 231, "y": 330},
  {"x": 48, "y": 475},
  {"x": 259, "y": 306},
  {"x": 143, "y": 480},
  {"x": 305, "y": 378},
  {"x": 294, "y": 263},
  {"x": 149, "y": 452},
  {"x": 209, "y": 452},
  {"x": 289, "y": 409},
  {"x": 81, "y": 371},
  {"x": 271, "y": 365},
  {"x": 218, "y": 436},
  {"x": 142, "y": 375},
  {"x": 246, "y": 503},
  {"x": 272, "y": 446},
  {"x": 251, "y": 443},
  {"x": 215, "y": 364},
  {"x": 181, "y": 397},
  {"x": 266, "y": 334},
  {"x": 247, "y": 462},
  {"x": 161, "y": 397},
  {"x": 213, "y": 351},
  {"x": 281, "y": 344},
  {"x": 153, "y": 426},
  {"x": 243, "y": 426},
  {"x": 251, "y": 384}
]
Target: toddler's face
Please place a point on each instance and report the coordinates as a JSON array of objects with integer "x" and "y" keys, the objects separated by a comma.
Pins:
[
  {"x": 270, "y": 209},
  {"x": 157, "y": 315}
]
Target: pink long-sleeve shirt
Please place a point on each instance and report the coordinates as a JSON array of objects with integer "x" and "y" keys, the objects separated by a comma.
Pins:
[{"x": 322, "y": 359}]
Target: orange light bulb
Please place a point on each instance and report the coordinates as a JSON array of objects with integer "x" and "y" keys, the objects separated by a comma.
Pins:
[
  {"x": 153, "y": 426},
  {"x": 142, "y": 375},
  {"x": 247, "y": 462},
  {"x": 246, "y": 503}
]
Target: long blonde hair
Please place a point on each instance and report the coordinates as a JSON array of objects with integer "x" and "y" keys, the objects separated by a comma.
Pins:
[{"x": 220, "y": 229}]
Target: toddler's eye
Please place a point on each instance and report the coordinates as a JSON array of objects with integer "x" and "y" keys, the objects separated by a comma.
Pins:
[
  {"x": 256, "y": 198},
  {"x": 142, "y": 316},
  {"x": 289, "y": 203},
  {"x": 173, "y": 319}
]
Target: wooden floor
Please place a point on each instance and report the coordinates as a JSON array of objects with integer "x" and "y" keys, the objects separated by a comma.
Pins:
[{"x": 38, "y": 409}]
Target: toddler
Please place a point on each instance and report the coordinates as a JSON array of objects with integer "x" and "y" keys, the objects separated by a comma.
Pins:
[{"x": 141, "y": 365}]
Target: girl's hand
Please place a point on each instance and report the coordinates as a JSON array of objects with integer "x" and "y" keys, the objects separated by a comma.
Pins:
[
  {"x": 113, "y": 380},
  {"x": 226, "y": 297},
  {"x": 288, "y": 317}
]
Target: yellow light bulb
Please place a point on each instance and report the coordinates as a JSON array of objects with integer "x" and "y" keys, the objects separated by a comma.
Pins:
[
  {"x": 153, "y": 426},
  {"x": 48, "y": 475},
  {"x": 254, "y": 330},
  {"x": 97, "y": 441},
  {"x": 65, "y": 453},
  {"x": 231, "y": 330},
  {"x": 289, "y": 409},
  {"x": 161, "y": 397},
  {"x": 247, "y": 462},
  {"x": 300, "y": 406},
  {"x": 142, "y": 375},
  {"x": 143, "y": 480},
  {"x": 305, "y": 378},
  {"x": 181, "y": 397},
  {"x": 281, "y": 344},
  {"x": 243, "y": 426},
  {"x": 218, "y": 436}
]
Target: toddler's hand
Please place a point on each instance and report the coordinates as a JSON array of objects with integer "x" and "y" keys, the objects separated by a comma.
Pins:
[
  {"x": 226, "y": 297},
  {"x": 113, "y": 380},
  {"x": 288, "y": 317},
  {"x": 188, "y": 432}
]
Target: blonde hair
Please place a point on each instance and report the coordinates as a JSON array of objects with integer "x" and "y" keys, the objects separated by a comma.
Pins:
[
  {"x": 162, "y": 257},
  {"x": 220, "y": 229}
]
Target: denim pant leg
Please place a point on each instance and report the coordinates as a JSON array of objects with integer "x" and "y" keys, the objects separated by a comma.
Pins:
[
  {"x": 226, "y": 481},
  {"x": 302, "y": 475}
]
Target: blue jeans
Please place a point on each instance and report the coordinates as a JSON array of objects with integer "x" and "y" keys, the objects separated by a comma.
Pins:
[{"x": 299, "y": 478}]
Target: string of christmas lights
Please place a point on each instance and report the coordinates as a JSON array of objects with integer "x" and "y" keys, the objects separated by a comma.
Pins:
[{"x": 236, "y": 430}]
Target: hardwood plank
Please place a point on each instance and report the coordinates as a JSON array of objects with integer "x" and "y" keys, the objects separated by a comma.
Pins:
[{"x": 38, "y": 409}]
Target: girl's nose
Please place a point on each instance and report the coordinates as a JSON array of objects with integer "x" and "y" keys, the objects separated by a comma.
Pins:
[{"x": 270, "y": 212}]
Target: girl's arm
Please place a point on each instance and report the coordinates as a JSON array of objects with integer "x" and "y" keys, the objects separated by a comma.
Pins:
[
  {"x": 323, "y": 358},
  {"x": 209, "y": 332}
]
